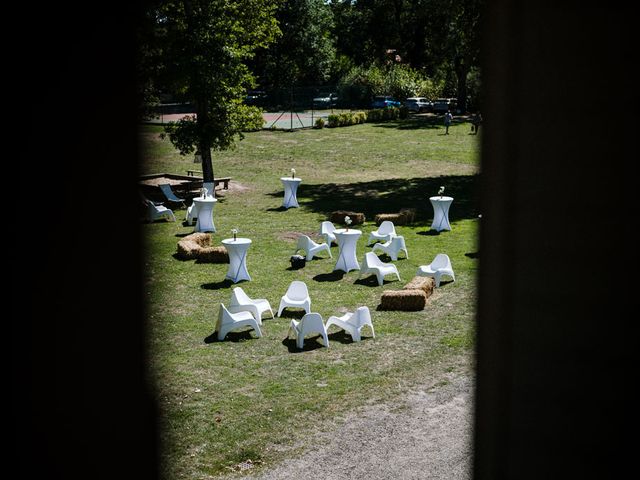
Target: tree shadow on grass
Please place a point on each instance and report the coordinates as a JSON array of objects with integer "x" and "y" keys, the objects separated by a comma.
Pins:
[
  {"x": 226, "y": 283},
  {"x": 389, "y": 196},
  {"x": 310, "y": 344},
  {"x": 334, "y": 276},
  {"x": 235, "y": 336},
  {"x": 278, "y": 209}
]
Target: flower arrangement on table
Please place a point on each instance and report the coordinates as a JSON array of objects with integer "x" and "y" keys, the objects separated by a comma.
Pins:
[
  {"x": 441, "y": 191},
  {"x": 293, "y": 173},
  {"x": 234, "y": 231},
  {"x": 204, "y": 192},
  {"x": 347, "y": 221}
]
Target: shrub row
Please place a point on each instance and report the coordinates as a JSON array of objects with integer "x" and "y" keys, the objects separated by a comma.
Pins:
[{"x": 355, "y": 118}]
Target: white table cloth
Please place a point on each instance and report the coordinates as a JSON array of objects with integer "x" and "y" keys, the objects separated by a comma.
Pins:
[
  {"x": 290, "y": 190},
  {"x": 441, "y": 212},
  {"x": 237, "y": 250},
  {"x": 204, "y": 215},
  {"x": 347, "y": 241}
]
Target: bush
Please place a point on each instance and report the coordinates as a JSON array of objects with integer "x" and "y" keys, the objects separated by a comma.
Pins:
[{"x": 319, "y": 123}]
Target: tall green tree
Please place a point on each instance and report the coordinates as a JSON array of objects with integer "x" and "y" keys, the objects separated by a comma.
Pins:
[
  {"x": 305, "y": 52},
  {"x": 198, "y": 50}
]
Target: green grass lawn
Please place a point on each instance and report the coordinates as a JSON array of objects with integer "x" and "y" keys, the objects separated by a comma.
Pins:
[{"x": 245, "y": 398}]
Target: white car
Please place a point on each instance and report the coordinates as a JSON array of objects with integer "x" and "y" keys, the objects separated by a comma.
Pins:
[
  {"x": 418, "y": 104},
  {"x": 326, "y": 101}
]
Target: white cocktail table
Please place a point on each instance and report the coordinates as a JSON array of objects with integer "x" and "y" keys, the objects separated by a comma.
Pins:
[
  {"x": 237, "y": 250},
  {"x": 347, "y": 241},
  {"x": 290, "y": 191},
  {"x": 441, "y": 212},
  {"x": 204, "y": 215}
]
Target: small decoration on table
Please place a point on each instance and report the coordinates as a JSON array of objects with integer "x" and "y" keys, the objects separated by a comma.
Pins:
[
  {"x": 293, "y": 173},
  {"x": 235, "y": 232},
  {"x": 204, "y": 192},
  {"x": 441, "y": 191},
  {"x": 347, "y": 221}
]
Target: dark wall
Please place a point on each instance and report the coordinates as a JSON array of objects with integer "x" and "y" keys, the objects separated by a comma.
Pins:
[
  {"x": 80, "y": 406},
  {"x": 555, "y": 342}
]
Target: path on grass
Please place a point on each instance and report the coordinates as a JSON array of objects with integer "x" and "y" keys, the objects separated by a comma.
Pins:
[{"x": 425, "y": 435}]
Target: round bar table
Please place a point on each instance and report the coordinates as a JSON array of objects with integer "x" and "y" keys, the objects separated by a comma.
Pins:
[
  {"x": 347, "y": 241},
  {"x": 290, "y": 190},
  {"x": 204, "y": 209},
  {"x": 441, "y": 212},
  {"x": 237, "y": 250}
]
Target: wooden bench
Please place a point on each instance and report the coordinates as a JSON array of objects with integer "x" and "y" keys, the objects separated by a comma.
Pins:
[{"x": 217, "y": 181}]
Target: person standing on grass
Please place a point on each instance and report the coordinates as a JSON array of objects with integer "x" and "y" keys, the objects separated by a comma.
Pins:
[{"x": 447, "y": 121}]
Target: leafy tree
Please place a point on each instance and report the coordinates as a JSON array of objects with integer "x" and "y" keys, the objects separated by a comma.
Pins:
[
  {"x": 198, "y": 50},
  {"x": 305, "y": 52}
]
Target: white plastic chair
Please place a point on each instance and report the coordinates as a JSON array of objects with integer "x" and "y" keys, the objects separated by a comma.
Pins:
[
  {"x": 385, "y": 231},
  {"x": 392, "y": 247},
  {"x": 326, "y": 230},
  {"x": 310, "y": 323},
  {"x": 228, "y": 321},
  {"x": 441, "y": 265},
  {"x": 310, "y": 247},
  {"x": 240, "y": 302},
  {"x": 372, "y": 264},
  {"x": 192, "y": 210},
  {"x": 297, "y": 296},
  {"x": 353, "y": 323},
  {"x": 156, "y": 212},
  {"x": 168, "y": 193}
]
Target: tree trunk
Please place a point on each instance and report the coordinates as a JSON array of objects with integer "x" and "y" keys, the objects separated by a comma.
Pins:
[
  {"x": 462, "y": 70},
  {"x": 204, "y": 146}
]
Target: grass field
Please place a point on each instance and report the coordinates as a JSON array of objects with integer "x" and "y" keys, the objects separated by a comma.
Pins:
[{"x": 222, "y": 403}]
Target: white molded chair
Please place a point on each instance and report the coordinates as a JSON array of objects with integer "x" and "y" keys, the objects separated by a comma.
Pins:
[
  {"x": 192, "y": 210},
  {"x": 310, "y": 323},
  {"x": 352, "y": 323},
  {"x": 326, "y": 230},
  {"x": 385, "y": 231},
  {"x": 168, "y": 193},
  {"x": 372, "y": 264},
  {"x": 297, "y": 296},
  {"x": 228, "y": 321},
  {"x": 240, "y": 302},
  {"x": 156, "y": 212},
  {"x": 310, "y": 247},
  {"x": 392, "y": 247},
  {"x": 441, "y": 265}
]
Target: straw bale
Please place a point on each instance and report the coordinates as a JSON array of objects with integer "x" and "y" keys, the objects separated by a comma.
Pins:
[
  {"x": 406, "y": 300},
  {"x": 426, "y": 284},
  {"x": 198, "y": 246},
  {"x": 214, "y": 255},
  {"x": 396, "y": 218},
  {"x": 338, "y": 217},
  {"x": 409, "y": 215}
]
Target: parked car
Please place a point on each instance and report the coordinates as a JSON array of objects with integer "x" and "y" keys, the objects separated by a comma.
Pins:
[
  {"x": 384, "y": 101},
  {"x": 442, "y": 105},
  {"x": 255, "y": 97},
  {"x": 326, "y": 100},
  {"x": 418, "y": 104}
]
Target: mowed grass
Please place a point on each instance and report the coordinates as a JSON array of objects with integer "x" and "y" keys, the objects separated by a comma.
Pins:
[{"x": 222, "y": 403}]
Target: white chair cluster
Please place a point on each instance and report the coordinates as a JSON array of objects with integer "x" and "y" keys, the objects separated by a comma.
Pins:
[
  {"x": 244, "y": 311},
  {"x": 310, "y": 247},
  {"x": 441, "y": 265},
  {"x": 157, "y": 211}
]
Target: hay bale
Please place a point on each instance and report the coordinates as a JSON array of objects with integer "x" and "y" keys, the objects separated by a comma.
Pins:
[
  {"x": 188, "y": 249},
  {"x": 338, "y": 217},
  {"x": 405, "y": 300},
  {"x": 426, "y": 284},
  {"x": 396, "y": 218},
  {"x": 198, "y": 246},
  {"x": 213, "y": 255},
  {"x": 409, "y": 215}
]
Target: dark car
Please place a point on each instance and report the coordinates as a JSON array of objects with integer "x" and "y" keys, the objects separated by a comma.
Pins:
[
  {"x": 383, "y": 101},
  {"x": 255, "y": 97},
  {"x": 443, "y": 105},
  {"x": 418, "y": 104}
]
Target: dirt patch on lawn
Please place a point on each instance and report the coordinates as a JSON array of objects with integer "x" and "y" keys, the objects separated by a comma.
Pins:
[{"x": 293, "y": 236}]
